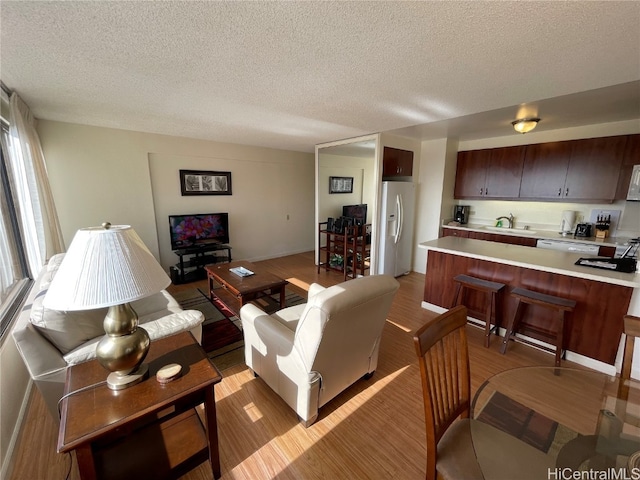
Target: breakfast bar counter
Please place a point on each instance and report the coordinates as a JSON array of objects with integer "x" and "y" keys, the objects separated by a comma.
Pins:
[{"x": 603, "y": 297}]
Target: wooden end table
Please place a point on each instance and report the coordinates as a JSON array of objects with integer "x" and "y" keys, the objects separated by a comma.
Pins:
[
  {"x": 237, "y": 290},
  {"x": 150, "y": 430}
]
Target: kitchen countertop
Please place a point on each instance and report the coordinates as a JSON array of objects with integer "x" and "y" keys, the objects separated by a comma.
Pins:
[
  {"x": 562, "y": 263},
  {"x": 541, "y": 234}
]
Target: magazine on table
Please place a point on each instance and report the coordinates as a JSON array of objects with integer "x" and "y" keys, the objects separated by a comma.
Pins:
[{"x": 241, "y": 271}]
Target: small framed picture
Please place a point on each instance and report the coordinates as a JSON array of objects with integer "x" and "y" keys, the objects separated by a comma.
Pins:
[
  {"x": 340, "y": 184},
  {"x": 199, "y": 182}
]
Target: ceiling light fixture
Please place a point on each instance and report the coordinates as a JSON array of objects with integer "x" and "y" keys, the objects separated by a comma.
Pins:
[{"x": 524, "y": 125}]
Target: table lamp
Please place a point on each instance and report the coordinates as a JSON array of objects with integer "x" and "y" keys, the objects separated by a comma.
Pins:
[{"x": 110, "y": 266}]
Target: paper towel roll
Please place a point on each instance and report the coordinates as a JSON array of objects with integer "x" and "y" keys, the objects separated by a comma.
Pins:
[{"x": 568, "y": 221}]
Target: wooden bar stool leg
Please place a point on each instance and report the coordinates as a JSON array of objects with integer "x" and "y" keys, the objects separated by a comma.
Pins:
[
  {"x": 559, "y": 338},
  {"x": 487, "y": 327},
  {"x": 511, "y": 328},
  {"x": 457, "y": 296},
  {"x": 497, "y": 311}
]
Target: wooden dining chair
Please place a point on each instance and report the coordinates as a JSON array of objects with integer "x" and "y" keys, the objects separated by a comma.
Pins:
[
  {"x": 443, "y": 356},
  {"x": 611, "y": 423},
  {"x": 632, "y": 331},
  {"x": 452, "y": 449}
]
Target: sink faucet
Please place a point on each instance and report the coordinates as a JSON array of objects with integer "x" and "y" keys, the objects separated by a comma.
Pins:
[{"x": 509, "y": 219}]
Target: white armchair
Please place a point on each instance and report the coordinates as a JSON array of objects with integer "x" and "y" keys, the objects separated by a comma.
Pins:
[{"x": 310, "y": 353}]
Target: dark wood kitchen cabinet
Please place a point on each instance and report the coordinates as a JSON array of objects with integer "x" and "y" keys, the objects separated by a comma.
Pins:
[
  {"x": 396, "y": 162},
  {"x": 630, "y": 158},
  {"x": 454, "y": 232},
  {"x": 491, "y": 237},
  {"x": 575, "y": 170},
  {"x": 508, "y": 239},
  {"x": 587, "y": 170},
  {"x": 471, "y": 173},
  {"x": 594, "y": 168},
  {"x": 489, "y": 173},
  {"x": 545, "y": 170}
]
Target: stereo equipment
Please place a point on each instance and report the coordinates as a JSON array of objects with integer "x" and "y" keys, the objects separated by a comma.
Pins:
[{"x": 330, "y": 224}]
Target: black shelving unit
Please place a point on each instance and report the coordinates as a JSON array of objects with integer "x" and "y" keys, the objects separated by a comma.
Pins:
[{"x": 192, "y": 261}]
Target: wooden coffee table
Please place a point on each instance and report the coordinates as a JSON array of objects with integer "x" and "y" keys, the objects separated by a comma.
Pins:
[
  {"x": 234, "y": 291},
  {"x": 149, "y": 430}
]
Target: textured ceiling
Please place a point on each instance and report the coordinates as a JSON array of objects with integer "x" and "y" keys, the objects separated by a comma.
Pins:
[{"x": 293, "y": 74}]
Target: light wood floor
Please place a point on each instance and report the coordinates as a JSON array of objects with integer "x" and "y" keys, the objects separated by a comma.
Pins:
[{"x": 373, "y": 430}]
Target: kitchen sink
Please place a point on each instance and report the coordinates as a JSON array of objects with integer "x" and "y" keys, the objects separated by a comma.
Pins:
[{"x": 519, "y": 231}]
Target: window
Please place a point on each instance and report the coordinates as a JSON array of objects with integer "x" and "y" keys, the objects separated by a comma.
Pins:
[{"x": 14, "y": 281}]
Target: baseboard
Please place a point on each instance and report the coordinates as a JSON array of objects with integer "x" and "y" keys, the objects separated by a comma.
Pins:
[{"x": 7, "y": 465}]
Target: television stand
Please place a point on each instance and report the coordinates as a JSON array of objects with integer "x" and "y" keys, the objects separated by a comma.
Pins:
[{"x": 193, "y": 260}]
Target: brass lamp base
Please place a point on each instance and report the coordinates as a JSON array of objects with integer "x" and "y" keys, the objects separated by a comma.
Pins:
[
  {"x": 123, "y": 348},
  {"x": 116, "y": 381}
]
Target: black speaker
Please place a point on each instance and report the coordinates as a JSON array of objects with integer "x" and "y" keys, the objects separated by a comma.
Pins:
[
  {"x": 329, "y": 224},
  {"x": 175, "y": 275}
]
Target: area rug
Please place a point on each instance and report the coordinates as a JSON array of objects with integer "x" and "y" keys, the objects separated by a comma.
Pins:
[
  {"x": 521, "y": 422},
  {"x": 222, "y": 329}
]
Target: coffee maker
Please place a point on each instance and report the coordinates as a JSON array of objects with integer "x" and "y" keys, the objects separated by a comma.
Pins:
[{"x": 461, "y": 214}]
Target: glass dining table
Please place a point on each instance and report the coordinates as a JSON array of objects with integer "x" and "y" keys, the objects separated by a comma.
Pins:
[{"x": 562, "y": 423}]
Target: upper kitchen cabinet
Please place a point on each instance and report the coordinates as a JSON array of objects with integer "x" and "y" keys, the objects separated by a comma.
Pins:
[
  {"x": 397, "y": 163},
  {"x": 490, "y": 173},
  {"x": 576, "y": 170},
  {"x": 630, "y": 158},
  {"x": 594, "y": 168},
  {"x": 545, "y": 170}
]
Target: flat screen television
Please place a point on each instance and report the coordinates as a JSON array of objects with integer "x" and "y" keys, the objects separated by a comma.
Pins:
[
  {"x": 198, "y": 229},
  {"x": 357, "y": 212}
]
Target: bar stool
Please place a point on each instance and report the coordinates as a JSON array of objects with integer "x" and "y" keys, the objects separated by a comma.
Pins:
[
  {"x": 491, "y": 290},
  {"x": 528, "y": 297}
]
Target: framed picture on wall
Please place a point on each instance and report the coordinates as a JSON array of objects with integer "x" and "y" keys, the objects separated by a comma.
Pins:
[
  {"x": 340, "y": 184},
  {"x": 200, "y": 182}
]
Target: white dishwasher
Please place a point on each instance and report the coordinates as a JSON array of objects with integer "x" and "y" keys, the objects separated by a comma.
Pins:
[{"x": 566, "y": 246}]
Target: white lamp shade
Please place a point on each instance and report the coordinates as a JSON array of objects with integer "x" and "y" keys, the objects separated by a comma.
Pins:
[{"x": 105, "y": 267}]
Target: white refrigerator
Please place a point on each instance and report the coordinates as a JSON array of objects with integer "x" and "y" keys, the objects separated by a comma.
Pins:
[{"x": 396, "y": 228}]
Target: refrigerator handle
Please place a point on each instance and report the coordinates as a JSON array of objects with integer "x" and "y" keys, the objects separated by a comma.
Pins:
[{"x": 400, "y": 222}]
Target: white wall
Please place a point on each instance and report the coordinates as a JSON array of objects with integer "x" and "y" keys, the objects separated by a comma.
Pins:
[
  {"x": 270, "y": 209},
  {"x": 542, "y": 136},
  {"x": 435, "y": 189},
  {"x": 14, "y": 389},
  {"x": 361, "y": 169},
  {"x": 103, "y": 174}
]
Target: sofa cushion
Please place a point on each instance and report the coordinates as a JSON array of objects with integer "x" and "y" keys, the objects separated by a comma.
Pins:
[
  {"x": 66, "y": 330},
  {"x": 55, "y": 261},
  {"x": 160, "y": 328}
]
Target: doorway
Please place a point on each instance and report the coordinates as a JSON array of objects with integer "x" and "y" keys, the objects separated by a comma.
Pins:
[{"x": 357, "y": 160}]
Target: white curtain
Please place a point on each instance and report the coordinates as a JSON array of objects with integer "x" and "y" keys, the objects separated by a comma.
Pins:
[
  {"x": 39, "y": 224},
  {"x": 9, "y": 257}
]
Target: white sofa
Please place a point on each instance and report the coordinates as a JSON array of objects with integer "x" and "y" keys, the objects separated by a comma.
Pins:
[
  {"x": 49, "y": 341},
  {"x": 310, "y": 353}
]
